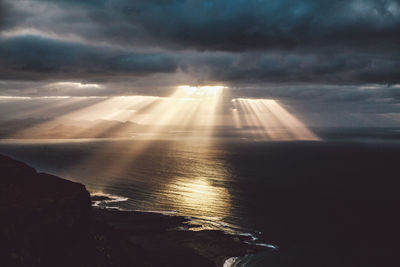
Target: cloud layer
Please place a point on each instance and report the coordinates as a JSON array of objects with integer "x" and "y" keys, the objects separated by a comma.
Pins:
[{"x": 234, "y": 42}]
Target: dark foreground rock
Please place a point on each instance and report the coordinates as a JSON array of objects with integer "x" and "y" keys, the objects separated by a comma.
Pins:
[
  {"x": 49, "y": 221},
  {"x": 168, "y": 247}
]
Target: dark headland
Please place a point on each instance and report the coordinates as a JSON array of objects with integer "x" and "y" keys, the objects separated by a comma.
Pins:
[{"x": 49, "y": 221}]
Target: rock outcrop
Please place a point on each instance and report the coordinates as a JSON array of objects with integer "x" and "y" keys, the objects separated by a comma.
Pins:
[{"x": 49, "y": 221}]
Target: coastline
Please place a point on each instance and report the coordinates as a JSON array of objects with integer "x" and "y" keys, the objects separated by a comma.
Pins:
[
  {"x": 189, "y": 224},
  {"x": 51, "y": 221}
]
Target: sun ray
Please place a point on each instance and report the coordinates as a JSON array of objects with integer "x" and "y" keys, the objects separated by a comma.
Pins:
[
  {"x": 289, "y": 121},
  {"x": 191, "y": 111},
  {"x": 189, "y": 107},
  {"x": 268, "y": 120},
  {"x": 251, "y": 121}
]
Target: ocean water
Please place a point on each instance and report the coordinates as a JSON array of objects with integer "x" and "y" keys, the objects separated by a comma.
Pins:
[{"x": 314, "y": 203}]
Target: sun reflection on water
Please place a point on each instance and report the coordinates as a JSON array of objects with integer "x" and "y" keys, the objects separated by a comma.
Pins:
[
  {"x": 199, "y": 190},
  {"x": 199, "y": 198}
]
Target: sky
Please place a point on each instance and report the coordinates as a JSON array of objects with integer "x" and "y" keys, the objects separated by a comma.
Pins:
[{"x": 330, "y": 62}]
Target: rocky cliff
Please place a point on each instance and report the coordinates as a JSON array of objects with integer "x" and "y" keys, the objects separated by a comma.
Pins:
[{"x": 49, "y": 221}]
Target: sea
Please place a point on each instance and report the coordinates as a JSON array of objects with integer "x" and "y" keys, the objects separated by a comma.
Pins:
[{"x": 309, "y": 203}]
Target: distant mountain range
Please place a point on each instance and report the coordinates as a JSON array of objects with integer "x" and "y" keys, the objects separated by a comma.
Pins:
[
  {"x": 43, "y": 128},
  {"x": 34, "y": 128}
]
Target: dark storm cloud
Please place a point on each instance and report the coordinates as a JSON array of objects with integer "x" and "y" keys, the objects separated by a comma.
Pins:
[
  {"x": 33, "y": 57},
  {"x": 233, "y": 25},
  {"x": 295, "y": 68},
  {"x": 235, "y": 41},
  {"x": 39, "y": 57},
  {"x": 325, "y": 93},
  {"x": 2, "y": 14}
]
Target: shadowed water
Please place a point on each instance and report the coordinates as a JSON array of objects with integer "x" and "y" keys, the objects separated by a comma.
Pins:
[{"x": 331, "y": 203}]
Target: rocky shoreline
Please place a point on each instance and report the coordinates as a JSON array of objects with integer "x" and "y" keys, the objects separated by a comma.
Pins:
[{"x": 49, "y": 221}]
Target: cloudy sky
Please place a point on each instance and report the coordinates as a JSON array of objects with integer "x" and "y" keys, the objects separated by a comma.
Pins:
[{"x": 336, "y": 59}]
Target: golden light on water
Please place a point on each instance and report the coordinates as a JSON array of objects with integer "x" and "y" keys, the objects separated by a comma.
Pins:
[{"x": 198, "y": 197}]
